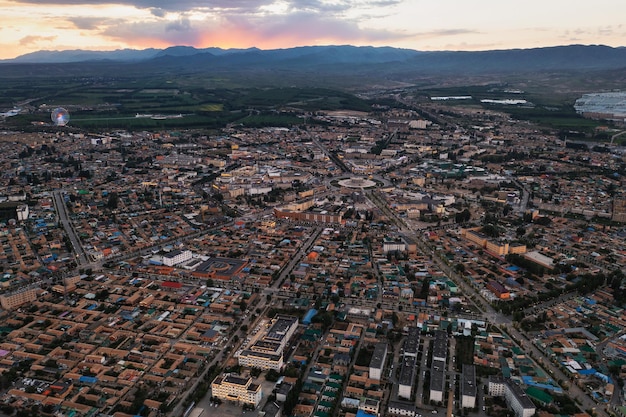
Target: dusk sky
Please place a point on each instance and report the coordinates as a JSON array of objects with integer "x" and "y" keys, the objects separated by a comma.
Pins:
[{"x": 32, "y": 25}]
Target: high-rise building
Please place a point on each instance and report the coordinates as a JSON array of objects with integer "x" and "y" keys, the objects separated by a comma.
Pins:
[{"x": 619, "y": 208}]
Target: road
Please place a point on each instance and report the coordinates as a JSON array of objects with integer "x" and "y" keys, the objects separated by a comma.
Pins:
[
  {"x": 302, "y": 252},
  {"x": 61, "y": 209}
]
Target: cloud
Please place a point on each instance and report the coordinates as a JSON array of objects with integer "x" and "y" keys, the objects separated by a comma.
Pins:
[
  {"x": 167, "y": 5},
  {"x": 158, "y": 12},
  {"x": 87, "y": 23},
  {"x": 31, "y": 40},
  {"x": 180, "y": 25},
  {"x": 159, "y": 7},
  {"x": 161, "y": 33}
]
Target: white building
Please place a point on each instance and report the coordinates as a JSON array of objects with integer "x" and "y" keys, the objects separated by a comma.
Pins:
[
  {"x": 236, "y": 389},
  {"x": 468, "y": 387},
  {"x": 377, "y": 363},
  {"x": 437, "y": 380},
  {"x": 176, "y": 257},
  {"x": 407, "y": 376},
  {"x": 267, "y": 351},
  {"x": 496, "y": 386},
  {"x": 22, "y": 212},
  {"x": 514, "y": 396},
  {"x": 403, "y": 409},
  {"x": 517, "y": 399}
]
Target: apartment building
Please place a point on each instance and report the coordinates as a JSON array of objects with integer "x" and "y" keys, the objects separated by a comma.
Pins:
[
  {"x": 437, "y": 380},
  {"x": 468, "y": 386},
  {"x": 267, "y": 351},
  {"x": 18, "y": 298},
  {"x": 407, "y": 377},
  {"x": 514, "y": 396},
  {"x": 377, "y": 363}
]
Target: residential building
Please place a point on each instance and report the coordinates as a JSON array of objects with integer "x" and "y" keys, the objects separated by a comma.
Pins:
[
  {"x": 514, "y": 396},
  {"x": 468, "y": 386},
  {"x": 518, "y": 400},
  {"x": 407, "y": 376},
  {"x": 18, "y": 298},
  {"x": 437, "y": 380},
  {"x": 267, "y": 351},
  {"x": 401, "y": 408},
  {"x": 377, "y": 363}
]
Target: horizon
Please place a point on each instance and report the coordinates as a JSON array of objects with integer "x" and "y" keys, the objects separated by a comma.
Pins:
[
  {"x": 299, "y": 46},
  {"x": 452, "y": 25}
]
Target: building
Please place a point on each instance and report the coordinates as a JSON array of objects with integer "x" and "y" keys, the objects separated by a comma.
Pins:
[
  {"x": 440, "y": 346},
  {"x": 514, "y": 396},
  {"x": 370, "y": 406},
  {"x": 282, "y": 391},
  {"x": 267, "y": 351},
  {"x": 394, "y": 245},
  {"x": 619, "y": 208},
  {"x": 437, "y": 380},
  {"x": 18, "y": 298},
  {"x": 411, "y": 342},
  {"x": 468, "y": 387},
  {"x": 377, "y": 363},
  {"x": 498, "y": 290},
  {"x": 309, "y": 216},
  {"x": 22, "y": 212},
  {"x": 496, "y": 386},
  {"x": 407, "y": 376},
  {"x": 518, "y": 400},
  {"x": 499, "y": 248},
  {"x": 261, "y": 360},
  {"x": 540, "y": 259},
  {"x": 237, "y": 389},
  {"x": 401, "y": 408},
  {"x": 176, "y": 257}
]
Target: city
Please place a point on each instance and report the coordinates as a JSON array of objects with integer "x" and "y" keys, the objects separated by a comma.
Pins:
[{"x": 425, "y": 258}]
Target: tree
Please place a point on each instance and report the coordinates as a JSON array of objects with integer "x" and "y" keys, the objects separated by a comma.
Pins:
[{"x": 113, "y": 201}]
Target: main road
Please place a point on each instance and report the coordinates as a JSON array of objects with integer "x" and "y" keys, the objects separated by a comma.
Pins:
[{"x": 59, "y": 203}]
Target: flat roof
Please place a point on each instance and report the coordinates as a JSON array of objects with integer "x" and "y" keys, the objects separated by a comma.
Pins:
[
  {"x": 440, "y": 344},
  {"x": 437, "y": 375},
  {"x": 519, "y": 394},
  {"x": 280, "y": 327},
  {"x": 411, "y": 342},
  {"x": 468, "y": 380},
  {"x": 407, "y": 371},
  {"x": 379, "y": 355},
  {"x": 237, "y": 380}
]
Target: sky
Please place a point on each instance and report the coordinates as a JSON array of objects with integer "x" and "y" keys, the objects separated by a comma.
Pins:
[{"x": 469, "y": 25}]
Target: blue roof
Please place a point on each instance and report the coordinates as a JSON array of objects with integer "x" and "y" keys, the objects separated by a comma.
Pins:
[
  {"x": 587, "y": 371},
  {"x": 309, "y": 315},
  {"x": 362, "y": 413}
]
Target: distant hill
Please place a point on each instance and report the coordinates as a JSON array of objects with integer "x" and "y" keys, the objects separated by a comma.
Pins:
[{"x": 370, "y": 62}]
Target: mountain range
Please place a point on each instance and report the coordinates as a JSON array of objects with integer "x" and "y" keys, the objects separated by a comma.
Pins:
[{"x": 345, "y": 59}]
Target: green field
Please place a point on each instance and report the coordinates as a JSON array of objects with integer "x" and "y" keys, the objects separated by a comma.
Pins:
[
  {"x": 550, "y": 110},
  {"x": 112, "y": 104}
]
